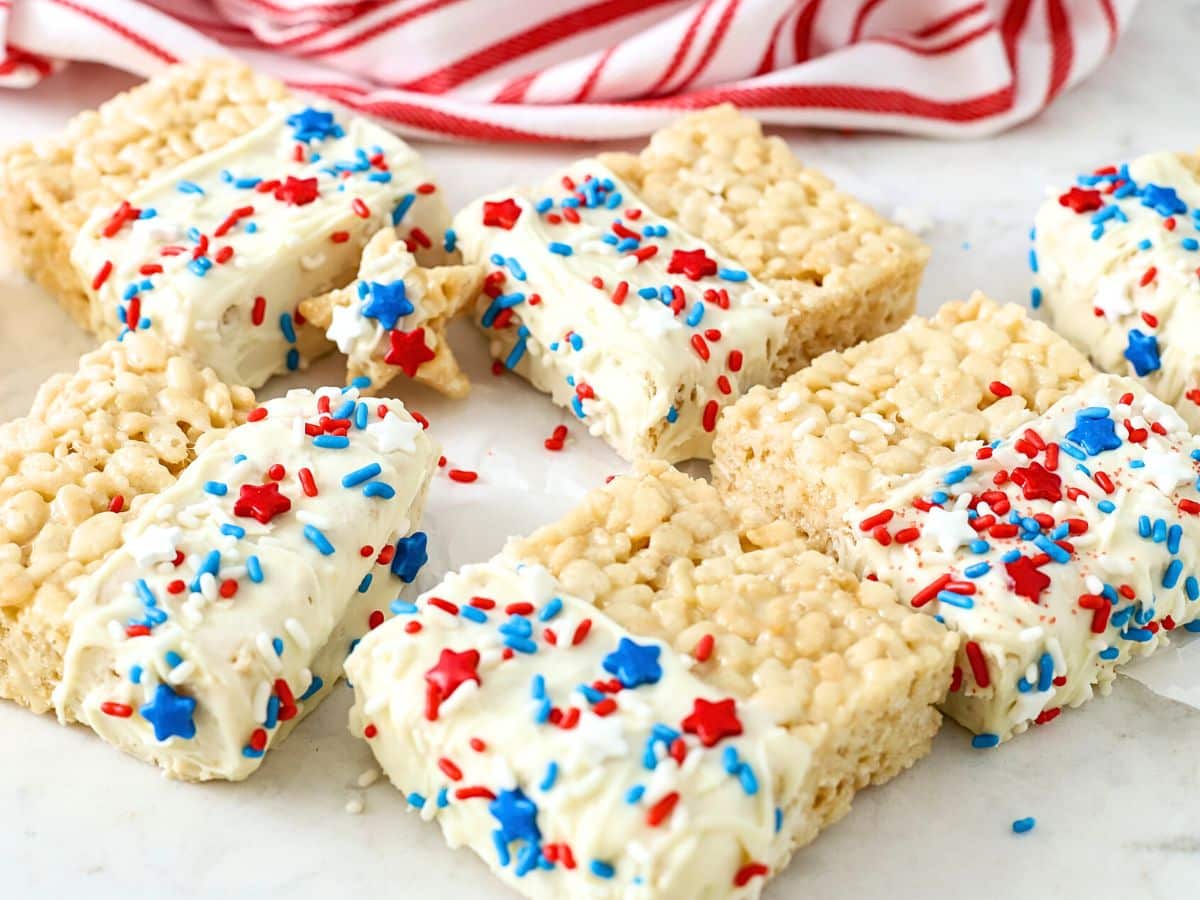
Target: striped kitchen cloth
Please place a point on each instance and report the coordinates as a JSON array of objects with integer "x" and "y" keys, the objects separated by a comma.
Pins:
[{"x": 555, "y": 70}]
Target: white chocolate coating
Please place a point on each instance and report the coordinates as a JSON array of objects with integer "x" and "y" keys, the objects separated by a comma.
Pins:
[
  {"x": 257, "y": 234},
  {"x": 1128, "y": 261},
  {"x": 1048, "y": 609},
  {"x": 583, "y": 777},
  {"x": 282, "y": 605},
  {"x": 648, "y": 377}
]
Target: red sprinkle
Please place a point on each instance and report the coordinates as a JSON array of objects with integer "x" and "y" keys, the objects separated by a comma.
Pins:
[
  {"x": 119, "y": 710},
  {"x": 370, "y": 731},
  {"x": 453, "y": 772},
  {"x": 978, "y": 664},
  {"x": 340, "y": 237},
  {"x": 360, "y": 209},
  {"x": 307, "y": 483},
  {"x": 711, "y": 408},
  {"x": 228, "y": 588},
  {"x": 659, "y": 812},
  {"x": 747, "y": 872},
  {"x": 1000, "y": 389},
  {"x": 116, "y": 504},
  {"x": 102, "y": 275},
  {"x": 704, "y": 648},
  {"x": 463, "y": 476}
]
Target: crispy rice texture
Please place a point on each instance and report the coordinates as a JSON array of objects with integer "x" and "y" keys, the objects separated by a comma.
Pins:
[
  {"x": 841, "y": 663},
  {"x": 48, "y": 187},
  {"x": 123, "y": 425},
  {"x": 845, "y": 273},
  {"x": 842, "y": 431}
]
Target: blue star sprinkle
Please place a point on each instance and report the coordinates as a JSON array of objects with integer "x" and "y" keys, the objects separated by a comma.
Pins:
[
  {"x": 410, "y": 556},
  {"x": 1163, "y": 200},
  {"x": 517, "y": 816},
  {"x": 1095, "y": 433},
  {"x": 313, "y": 124},
  {"x": 388, "y": 303},
  {"x": 1142, "y": 352},
  {"x": 170, "y": 714},
  {"x": 634, "y": 664}
]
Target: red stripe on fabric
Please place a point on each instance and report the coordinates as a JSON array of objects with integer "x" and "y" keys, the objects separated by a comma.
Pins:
[
  {"x": 851, "y": 98},
  {"x": 949, "y": 21},
  {"x": 1110, "y": 16},
  {"x": 802, "y": 38},
  {"x": 119, "y": 29},
  {"x": 714, "y": 43},
  {"x": 938, "y": 49},
  {"x": 328, "y": 11},
  {"x": 541, "y": 35},
  {"x": 514, "y": 91},
  {"x": 426, "y": 118},
  {"x": 768, "y": 61},
  {"x": 1010, "y": 28},
  {"x": 860, "y": 20},
  {"x": 681, "y": 50},
  {"x": 1063, "y": 46},
  {"x": 593, "y": 76},
  {"x": 375, "y": 30}
]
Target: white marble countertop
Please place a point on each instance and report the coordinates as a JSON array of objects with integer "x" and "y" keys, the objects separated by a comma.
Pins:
[{"x": 1114, "y": 786}]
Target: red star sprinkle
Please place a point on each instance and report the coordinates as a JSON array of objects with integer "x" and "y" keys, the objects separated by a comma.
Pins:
[
  {"x": 261, "y": 501},
  {"x": 408, "y": 351},
  {"x": 1194, "y": 395},
  {"x": 695, "y": 264},
  {"x": 1081, "y": 200},
  {"x": 501, "y": 214},
  {"x": 297, "y": 191},
  {"x": 1028, "y": 580},
  {"x": 451, "y": 672},
  {"x": 713, "y": 721},
  {"x": 1038, "y": 483}
]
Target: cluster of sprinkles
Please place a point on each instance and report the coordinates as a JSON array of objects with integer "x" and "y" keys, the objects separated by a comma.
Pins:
[
  {"x": 1025, "y": 533},
  {"x": 232, "y": 209},
  {"x": 1111, "y": 198},
  {"x": 213, "y": 576},
  {"x": 593, "y": 224},
  {"x": 523, "y": 631}
]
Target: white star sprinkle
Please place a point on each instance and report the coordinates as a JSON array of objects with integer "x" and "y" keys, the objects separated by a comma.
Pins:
[
  {"x": 654, "y": 320},
  {"x": 393, "y": 433},
  {"x": 346, "y": 327},
  {"x": 1112, "y": 299},
  {"x": 951, "y": 528},
  {"x": 154, "y": 545},
  {"x": 1167, "y": 469}
]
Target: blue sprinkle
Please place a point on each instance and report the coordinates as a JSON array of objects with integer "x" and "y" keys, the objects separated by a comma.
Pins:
[
  {"x": 365, "y": 584},
  {"x": 379, "y": 489},
  {"x": 235, "y": 531},
  {"x": 537, "y": 687},
  {"x": 672, "y": 415},
  {"x": 978, "y": 570},
  {"x": 748, "y": 781},
  {"x": 292, "y": 360},
  {"x": 285, "y": 325},
  {"x": 634, "y": 794},
  {"x": 135, "y": 674},
  {"x": 1106, "y": 506},
  {"x": 316, "y": 685},
  {"x": 451, "y": 240},
  {"x": 358, "y": 476},
  {"x": 443, "y": 798},
  {"x": 576, "y": 342},
  {"x": 985, "y": 741},
  {"x": 550, "y": 610},
  {"x": 601, "y": 869},
  {"x": 1033, "y": 261},
  {"x": 544, "y": 205},
  {"x": 415, "y": 799},
  {"x": 189, "y": 187},
  {"x": 144, "y": 593},
  {"x": 402, "y": 208},
  {"x": 551, "y": 775},
  {"x": 404, "y": 608},
  {"x": 1190, "y": 244},
  {"x": 272, "y": 718},
  {"x": 474, "y": 613},
  {"x": 331, "y": 441},
  {"x": 1171, "y": 576},
  {"x": 521, "y": 645},
  {"x": 1111, "y": 652},
  {"x": 217, "y": 488},
  {"x": 254, "y": 569},
  {"x": 1045, "y": 672},
  {"x": 954, "y": 476},
  {"x": 1035, "y": 298},
  {"x": 1021, "y": 826},
  {"x": 360, "y": 415},
  {"x": 1192, "y": 587},
  {"x": 732, "y": 274},
  {"x": 778, "y": 820},
  {"x": 559, "y": 248},
  {"x": 696, "y": 314},
  {"x": 250, "y": 753},
  {"x": 1192, "y": 626},
  {"x": 344, "y": 411},
  {"x": 318, "y": 540},
  {"x": 954, "y": 599},
  {"x": 173, "y": 659}
]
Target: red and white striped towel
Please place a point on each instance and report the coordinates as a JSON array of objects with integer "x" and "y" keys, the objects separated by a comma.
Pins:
[{"x": 595, "y": 69}]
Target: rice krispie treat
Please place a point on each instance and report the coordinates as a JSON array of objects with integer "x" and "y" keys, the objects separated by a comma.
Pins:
[
  {"x": 647, "y": 293},
  {"x": 846, "y": 429},
  {"x": 230, "y": 605},
  {"x": 1117, "y": 270},
  {"x": 95, "y": 444},
  {"x": 205, "y": 205},
  {"x": 393, "y": 318},
  {"x": 645, "y": 700},
  {"x": 1058, "y": 552}
]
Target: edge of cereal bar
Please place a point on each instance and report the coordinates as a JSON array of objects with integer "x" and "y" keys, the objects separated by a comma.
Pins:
[
  {"x": 49, "y": 186},
  {"x": 840, "y": 663},
  {"x": 124, "y": 424},
  {"x": 839, "y": 432},
  {"x": 844, "y": 272}
]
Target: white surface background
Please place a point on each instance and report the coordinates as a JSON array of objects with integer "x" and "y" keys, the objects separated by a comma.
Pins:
[{"x": 1114, "y": 786}]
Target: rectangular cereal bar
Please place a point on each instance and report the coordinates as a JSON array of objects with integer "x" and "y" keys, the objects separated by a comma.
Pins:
[
  {"x": 1115, "y": 262},
  {"x": 1058, "y": 552},
  {"x": 648, "y": 292},
  {"x": 205, "y": 205},
  {"x": 236, "y": 592},
  {"x": 844, "y": 430},
  {"x": 643, "y": 699},
  {"x": 94, "y": 446}
]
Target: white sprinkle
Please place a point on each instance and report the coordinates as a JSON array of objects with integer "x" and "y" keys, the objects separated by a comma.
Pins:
[
  {"x": 262, "y": 697},
  {"x": 368, "y": 778},
  {"x": 263, "y": 642},
  {"x": 181, "y": 672},
  {"x": 116, "y": 631},
  {"x": 298, "y": 634}
]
